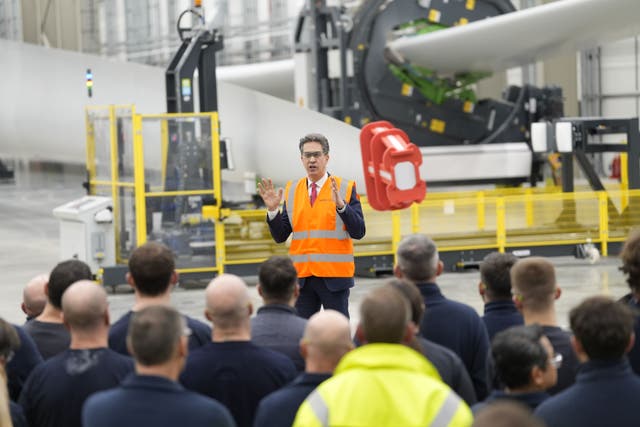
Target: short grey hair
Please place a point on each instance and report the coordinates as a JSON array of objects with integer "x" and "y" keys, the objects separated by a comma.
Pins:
[
  {"x": 417, "y": 258},
  {"x": 315, "y": 137},
  {"x": 154, "y": 334}
]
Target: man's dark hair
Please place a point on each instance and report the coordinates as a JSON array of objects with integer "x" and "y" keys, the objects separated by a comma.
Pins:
[
  {"x": 602, "y": 326},
  {"x": 278, "y": 279},
  {"x": 9, "y": 339},
  {"x": 515, "y": 352},
  {"x": 413, "y": 295},
  {"x": 630, "y": 256},
  {"x": 64, "y": 275},
  {"x": 417, "y": 258},
  {"x": 495, "y": 274},
  {"x": 154, "y": 333},
  {"x": 315, "y": 137},
  {"x": 384, "y": 315},
  {"x": 151, "y": 266}
]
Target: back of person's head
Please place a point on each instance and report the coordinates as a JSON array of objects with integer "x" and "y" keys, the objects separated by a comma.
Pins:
[
  {"x": 151, "y": 267},
  {"x": 506, "y": 413},
  {"x": 534, "y": 281},
  {"x": 9, "y": 341},
  {"x": 630, "y": 256},
  {"x": 228, "y": 302},
  {"x": 495, "y": 275},
  {"x": 417, "y": 258},
  {"x": 602, "y": 327},
  {"x": 62, "y": 276},
  {"x": 413, "y": 295},
  {"x": 384, "y": 316},
  {"x": 34, "y": 296},
  {"x": 154, "y": 334},
  {"x": 327, "y": 337},
  {"x": 517, "y": 351},
  {"x": 85, "y": 307},
  {"x": 278, "y": 279}
]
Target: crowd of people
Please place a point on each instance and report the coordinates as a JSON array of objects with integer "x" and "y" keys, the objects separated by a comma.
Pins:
[{"x": 417, "y": 357}]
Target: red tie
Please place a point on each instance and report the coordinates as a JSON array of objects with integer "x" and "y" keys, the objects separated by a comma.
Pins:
[{"x": 314, "y": 192}]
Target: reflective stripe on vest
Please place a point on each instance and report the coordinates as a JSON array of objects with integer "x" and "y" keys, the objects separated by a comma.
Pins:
[
  {"x": 337, "y": 233},
  {"x": 319, "y": 408},
  {"x": 322, "y": 258},
  {"x": 447, "y": 411}
]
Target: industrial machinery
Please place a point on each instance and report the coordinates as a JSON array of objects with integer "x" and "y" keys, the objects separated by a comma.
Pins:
[{"x": 345, "y": 69}]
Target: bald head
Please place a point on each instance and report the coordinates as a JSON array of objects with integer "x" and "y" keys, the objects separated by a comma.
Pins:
[
  {"x": 84, "y": 305},
  {"x": 228, "y": 302},
  {"x": 34, "y": 297},
  {"x": 327, "y": 337}
]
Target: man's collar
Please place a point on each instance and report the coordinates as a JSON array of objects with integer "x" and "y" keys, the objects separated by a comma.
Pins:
[{"x": 319, "y": 182}]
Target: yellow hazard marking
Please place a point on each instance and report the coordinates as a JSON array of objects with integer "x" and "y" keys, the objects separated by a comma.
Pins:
[
  {"x": 468, "y": 106},
  {"x": 407, "y": 90},
  {"x": 437, "y": 126},
  {"x": 348, "y": 120},
  {"x": 471, "y": 4},
  {"x": 434, "y": 15},
  {"x": 463, "y": 21}
]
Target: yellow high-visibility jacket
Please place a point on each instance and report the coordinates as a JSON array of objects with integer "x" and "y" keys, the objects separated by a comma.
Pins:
[{"x": 384, "y": 385}]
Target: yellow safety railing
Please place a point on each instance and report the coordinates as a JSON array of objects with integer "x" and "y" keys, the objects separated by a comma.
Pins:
[{"x": 129, "y": 158}]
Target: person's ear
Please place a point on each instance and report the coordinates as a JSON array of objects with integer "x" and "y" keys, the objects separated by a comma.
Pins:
[
  {"x": 303, "y": 348},
  {"x": 250, "y": 306},
  {"x": 440, "y": 268},
  {"x": 360, "y": 335},
  {"x": 174, "y": 278},
  {"x": 537, "y": 376},
  {"x": 578, "y": 349},
  {"x": 558, "y": 292},
  {"x": 397, "y": 272},
  {"x": 130, "y": 281},
  {"x": 208, "y": 315},
  {"x": 482, "y": 288},
  {"x": 259, "y": 289},
  {"x": 24, "y": 308},
  {"x": 296, "y": 290},
  {"x": 183, "y": 346},
  {"x": 414, "y": 328},
  {"x": 409, "y": 333},
  {"x": 46, "y": 290},
  {"x": 517, "y": 301},
  {"x": 632, "y": 341}
]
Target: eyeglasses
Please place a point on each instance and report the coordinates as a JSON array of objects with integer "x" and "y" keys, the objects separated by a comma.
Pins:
[
  {"x": 310, "y": 154},
  {"x": 556, "y": 361}
]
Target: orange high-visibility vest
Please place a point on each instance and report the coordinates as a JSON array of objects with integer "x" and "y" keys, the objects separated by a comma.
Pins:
[{"x": 320, "y": 244}]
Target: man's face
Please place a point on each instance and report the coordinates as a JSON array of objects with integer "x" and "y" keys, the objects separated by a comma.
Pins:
[{"x": 314, "y": 160}]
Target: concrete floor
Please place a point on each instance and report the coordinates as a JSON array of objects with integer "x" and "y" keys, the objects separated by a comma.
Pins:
[{"x": 29, "y": 245}]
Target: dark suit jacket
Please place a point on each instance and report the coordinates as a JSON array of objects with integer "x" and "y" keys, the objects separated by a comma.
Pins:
[{"x": 353, "y": 218}]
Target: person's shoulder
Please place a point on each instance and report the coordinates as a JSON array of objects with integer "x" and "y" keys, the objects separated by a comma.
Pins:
[
  {"x": 197, "y": 325},
  {"x": 120, "y": 326},
  {"x": 118, "y": 358},
  {"x": 276, "y": 358}
]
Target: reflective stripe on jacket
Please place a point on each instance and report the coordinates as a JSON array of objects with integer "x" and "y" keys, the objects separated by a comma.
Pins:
[
  {"x": 384, "y": 385},
  {"x": 320, "y": 243}
]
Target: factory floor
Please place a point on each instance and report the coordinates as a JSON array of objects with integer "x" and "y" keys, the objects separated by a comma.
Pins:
[{"x": 29, "y": 245}]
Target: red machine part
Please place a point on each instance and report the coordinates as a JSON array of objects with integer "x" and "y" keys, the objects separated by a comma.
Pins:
[{"x": 391, "y": 166}]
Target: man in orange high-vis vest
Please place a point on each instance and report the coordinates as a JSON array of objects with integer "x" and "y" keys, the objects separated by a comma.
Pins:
[{"x": 322, "y": 212}]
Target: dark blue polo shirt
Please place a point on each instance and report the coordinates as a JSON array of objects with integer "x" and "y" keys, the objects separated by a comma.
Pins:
[
  {"x": 200, "y": 333},
  {"x": 279, "y": 408},
  {"x": 561, "y": 342},
  {"x": 459, "y": 328},
  {"x": 606, "y": 393},
  {"x": 145, "y": 400},
  {"x": 238, "y": 374},
  {"x": 450, "y": 368},
  {"x": 56, "y": 389},
  {"x": 500, "y": 315},
  {"x": 24, "y": 360},
  {"x": 17, "y": 415}
]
